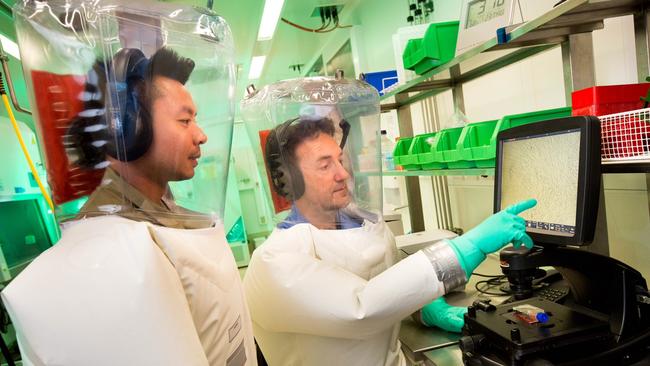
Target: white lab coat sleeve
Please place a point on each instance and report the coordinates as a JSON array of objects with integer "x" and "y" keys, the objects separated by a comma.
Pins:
[
  {"x": 293, "y": 291},
  {"x": 104, "y": 295}
]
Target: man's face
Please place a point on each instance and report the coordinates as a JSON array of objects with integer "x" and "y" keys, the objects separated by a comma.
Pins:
[
  {"x": 175, "y": 150},
  {"x": 321, "y": 162}
]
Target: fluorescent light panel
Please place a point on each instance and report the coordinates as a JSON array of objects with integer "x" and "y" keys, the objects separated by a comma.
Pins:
[
  {"x": 9, "y": 46},
  {"x": 270, "y": 17},
  {"x": 257, "y": 65}
]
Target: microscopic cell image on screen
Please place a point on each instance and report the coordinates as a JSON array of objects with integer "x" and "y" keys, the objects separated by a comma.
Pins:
[{"x": 544, "y": 167}]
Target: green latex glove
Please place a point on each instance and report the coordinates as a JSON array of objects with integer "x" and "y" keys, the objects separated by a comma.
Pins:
[
  {"x": 442, "y": 315},
  {"x": 491, "y": 235}
]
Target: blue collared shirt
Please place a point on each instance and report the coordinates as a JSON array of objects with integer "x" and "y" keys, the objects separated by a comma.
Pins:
[{"x": 343, "y": 220}]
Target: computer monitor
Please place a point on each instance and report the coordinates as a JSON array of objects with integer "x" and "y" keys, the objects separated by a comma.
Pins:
[{"x": 556, "y": 162}]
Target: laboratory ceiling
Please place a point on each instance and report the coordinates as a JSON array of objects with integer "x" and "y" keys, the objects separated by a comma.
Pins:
[
  {"x": 287, "y": 53},
  {"x": 289, "y": 45}
]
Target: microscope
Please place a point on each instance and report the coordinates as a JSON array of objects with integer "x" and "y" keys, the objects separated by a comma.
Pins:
[{"x": 598, "y": 312}]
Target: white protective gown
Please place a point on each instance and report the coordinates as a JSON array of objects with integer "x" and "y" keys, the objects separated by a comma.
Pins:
[
  {"x": 336, "y": 297},
  {"x": 118, "y": 292}
]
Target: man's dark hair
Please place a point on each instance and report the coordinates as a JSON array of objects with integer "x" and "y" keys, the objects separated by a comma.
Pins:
[
  {"x": 166, "y": 62},
  {"x": 280, "y": 153},
  {"x": 302, "y": 130},
  {"x": 135, "y": 91}
]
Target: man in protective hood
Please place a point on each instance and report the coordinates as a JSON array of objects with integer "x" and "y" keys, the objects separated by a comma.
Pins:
[
  {"x": 326, "y": 287},
  {"x": 143, "y": 275}
]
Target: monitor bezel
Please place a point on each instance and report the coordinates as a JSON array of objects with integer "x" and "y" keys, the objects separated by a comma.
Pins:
[{"x": 589, "y": 174}]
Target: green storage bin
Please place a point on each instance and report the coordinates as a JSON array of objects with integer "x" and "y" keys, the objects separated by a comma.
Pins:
[
  {"x": 446, "y": 149},
  {"x": 474, "y": 143},
  {"x": 437, "y": 47},
  {"x": 521, "y": 119},
  {"x": 401, "y": 154},
  {"x": 423, "y": 147},
  {"x": 483, "y": 152}
]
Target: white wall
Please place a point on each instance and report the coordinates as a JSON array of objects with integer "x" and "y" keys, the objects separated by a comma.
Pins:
[
  {"x": 614, "y": 55},
  {"x": 532, "y": 84}
]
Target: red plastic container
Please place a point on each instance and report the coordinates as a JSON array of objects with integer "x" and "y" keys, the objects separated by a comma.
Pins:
[{"x": 602, "y": 100}]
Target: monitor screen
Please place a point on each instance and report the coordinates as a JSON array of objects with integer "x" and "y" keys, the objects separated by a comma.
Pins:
[
  {"x": 556, "y": 162},
  {"x": 544, "y": 167}
]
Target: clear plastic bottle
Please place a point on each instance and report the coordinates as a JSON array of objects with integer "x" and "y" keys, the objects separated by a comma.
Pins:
[{"x": 387, "y": 147}]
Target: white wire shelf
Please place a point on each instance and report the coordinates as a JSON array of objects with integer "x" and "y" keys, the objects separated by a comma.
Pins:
[{"x": 625, "y": 137}]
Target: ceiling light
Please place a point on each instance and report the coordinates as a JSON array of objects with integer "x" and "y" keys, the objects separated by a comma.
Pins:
[
  {"x": 270, "y": 17},
  {"x": 9, "y": 46},
  {"x": 257, "y": 64}
]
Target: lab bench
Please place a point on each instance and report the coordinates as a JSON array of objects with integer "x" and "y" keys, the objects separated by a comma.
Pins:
[{"x": 417, "y": 340}]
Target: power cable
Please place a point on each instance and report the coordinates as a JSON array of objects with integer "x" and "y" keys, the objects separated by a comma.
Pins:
[
  {"x": 306, "y": 29},
  {"x": 491, "y": 283},
  {"x": 328, "y": 15}
]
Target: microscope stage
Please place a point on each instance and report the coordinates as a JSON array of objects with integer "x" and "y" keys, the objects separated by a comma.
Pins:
[{"x": 568, "y": 333}]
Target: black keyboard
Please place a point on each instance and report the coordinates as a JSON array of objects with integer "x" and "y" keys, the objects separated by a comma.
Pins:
[{"x": 553, "y": 294}]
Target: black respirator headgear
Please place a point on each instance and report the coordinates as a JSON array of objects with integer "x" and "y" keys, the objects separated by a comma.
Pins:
[
  {"x": 286, "y": 177},
  {"x": 124, "y": 132}
]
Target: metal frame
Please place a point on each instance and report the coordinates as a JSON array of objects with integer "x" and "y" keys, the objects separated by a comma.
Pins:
[
  {"x": 430, "y": 88},
  {"x": 642, "y": 45},
  {"x": 642, "y": 42},
  {"x": 412, "y": 183},
  {"x": 4, "y": 59},
  {"x": 581, "y": 61}
]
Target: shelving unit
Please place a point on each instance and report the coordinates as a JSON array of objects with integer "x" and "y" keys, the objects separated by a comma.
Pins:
[
  {"x": 432, "y": 173},
  {"x": 550, "y": 30},
  {"x": 569, "y": 26}
]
